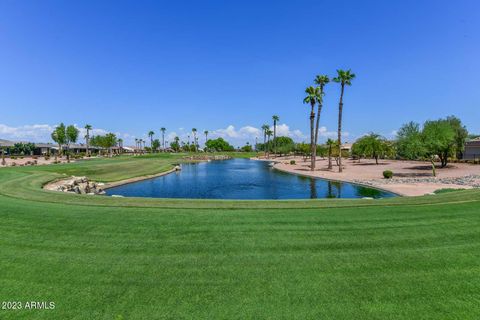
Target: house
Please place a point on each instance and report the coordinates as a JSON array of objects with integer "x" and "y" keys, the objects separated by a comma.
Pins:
[
  {"x": 347, "y": 147},
  {"x": 472, "y": 150},
  {"x": 47, "y": 148}
]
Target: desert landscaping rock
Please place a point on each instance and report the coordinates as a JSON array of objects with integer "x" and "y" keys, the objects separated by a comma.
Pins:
[{"x": 78, "y": 185}]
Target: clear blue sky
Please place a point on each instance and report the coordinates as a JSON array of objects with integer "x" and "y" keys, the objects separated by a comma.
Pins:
[{"x": 132, "y": 66}]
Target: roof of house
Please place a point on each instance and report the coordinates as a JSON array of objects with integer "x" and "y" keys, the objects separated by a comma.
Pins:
[
  {"x": 473, "y": 143},
  {"x": 8, "y": 143},
  {"x": 347, "y": 146}
]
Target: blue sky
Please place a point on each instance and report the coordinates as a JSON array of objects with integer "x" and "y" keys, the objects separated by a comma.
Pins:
[{"x": 228, "y": 66}]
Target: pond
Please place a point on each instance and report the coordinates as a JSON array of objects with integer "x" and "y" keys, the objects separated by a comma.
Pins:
[{"x": 241, "y": 179}]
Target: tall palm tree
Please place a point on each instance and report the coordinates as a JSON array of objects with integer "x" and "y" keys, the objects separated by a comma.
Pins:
[
  {"x": 206, "y": 136},
  {"x": 194, "y": 132},
  {"x": 87, "y": 138},
  {"x": 163, "y": 137},
  {"x": 265, "y": 128},
  {"x": 344, "y": 78},
  {"x": 321, "y": 81},
  {"x": 275, "y": 119},
  {"x": 150, "y": 134},
  {"x": 313, "y": 95},
  {"x": 330, "y": 144}
]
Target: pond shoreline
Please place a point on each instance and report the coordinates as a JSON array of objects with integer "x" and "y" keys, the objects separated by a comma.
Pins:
[
  {"x": 410, "y": 178},
  {"x": 141, "y": 178}
]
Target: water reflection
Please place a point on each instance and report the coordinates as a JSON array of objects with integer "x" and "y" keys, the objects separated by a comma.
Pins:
[{"x": 313, "y": 189}]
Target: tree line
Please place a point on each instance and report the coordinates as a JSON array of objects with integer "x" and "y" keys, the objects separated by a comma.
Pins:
[{"x": 437, "y": 140}]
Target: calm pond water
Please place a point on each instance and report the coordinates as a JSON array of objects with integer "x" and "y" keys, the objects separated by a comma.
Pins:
[{"x": 241, "y": 179}]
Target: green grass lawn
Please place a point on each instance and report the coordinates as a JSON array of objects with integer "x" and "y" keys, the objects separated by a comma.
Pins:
[{"x": 126, "y": 258}]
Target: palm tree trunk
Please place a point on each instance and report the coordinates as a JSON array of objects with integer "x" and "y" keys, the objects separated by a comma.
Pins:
[
  {"x": 312, "y": 139},
  {"x": 265, "y": 142},
  {"x": 274, "y": 136},
  {"x": 340, "y": 113},
  {"x": 316, "y": 133},
  {"x": 330, "y": 157}
]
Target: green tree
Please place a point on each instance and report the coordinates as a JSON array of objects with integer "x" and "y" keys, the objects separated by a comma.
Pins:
[
  {"x": 155, "y": 144},
  {"x": 304, "y": 149},
  {"x": 345, "y": 79},
  {"x": 120, "y": 145},
  {"x": 269, "y": 145},
  {"x": 371, "y": 146},
  {"x": 206, "y": 136},
  {"x": 439, "y": 140},
  {"x": 461, "y": 135},
  {"x": 59, "y": 135},
  {"x": 150, "y": 135},
  {"x": 72, "y": 137},
  {"x": 284, "y": 145},
  {"x": 265, "y": 128},
  {"x": 195, "y": 142},
  {"x": 219, "y": 144},
  {"x": 313, "y": 96},
  {"x": 175, "y": 144},
  {"x": 107, "y": 141},
  {"x": 162, "y": 129},
  {"x": 409, "y": 141},
  {"x": 246, "y": 148},
  {"x": 321, "y": 81},
  {"x": 330, "y": 144},
  {"x": 275, "y": 120}
]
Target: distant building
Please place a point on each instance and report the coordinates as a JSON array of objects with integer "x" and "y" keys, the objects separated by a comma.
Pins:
[
  {"x": 47, "y": 148},
  {"x": 347, "y": 147},
  {"x": 472, "y": 150}
]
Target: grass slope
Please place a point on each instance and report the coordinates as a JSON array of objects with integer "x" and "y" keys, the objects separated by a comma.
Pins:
[{"x": 404, "y": 258}]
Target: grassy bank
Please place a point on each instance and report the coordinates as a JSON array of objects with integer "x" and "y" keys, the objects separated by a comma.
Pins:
[{"x": 104, "y": 258}]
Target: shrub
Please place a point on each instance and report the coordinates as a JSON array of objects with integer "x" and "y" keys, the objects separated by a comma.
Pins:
[
  {"x": 292, "y": 162},
  {"x": 387, "y": 174}
]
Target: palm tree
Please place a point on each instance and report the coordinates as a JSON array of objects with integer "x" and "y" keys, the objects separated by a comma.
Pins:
[
  {"x": 87, "y": 138},
  {"x": 321, "y": 81},
  {"x": 206, "y": 138},
  {"x": 265, "y": 128},
  {"x": 150, "y": 134},
  {"x": 120, "y": 145},
  {"x": 163, "y": 137},
  {"x": 269, "y": 134},
  {"x": 344, "y": 78},
  {"x": 330, "y": 144},
  {"x": 313, "y": 95},
  {"x": 275, "y": 119},
  {"x": 194, "y": 132}
]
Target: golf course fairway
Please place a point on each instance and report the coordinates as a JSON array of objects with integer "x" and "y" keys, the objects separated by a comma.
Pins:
[{"x": 99, "y": 257}]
